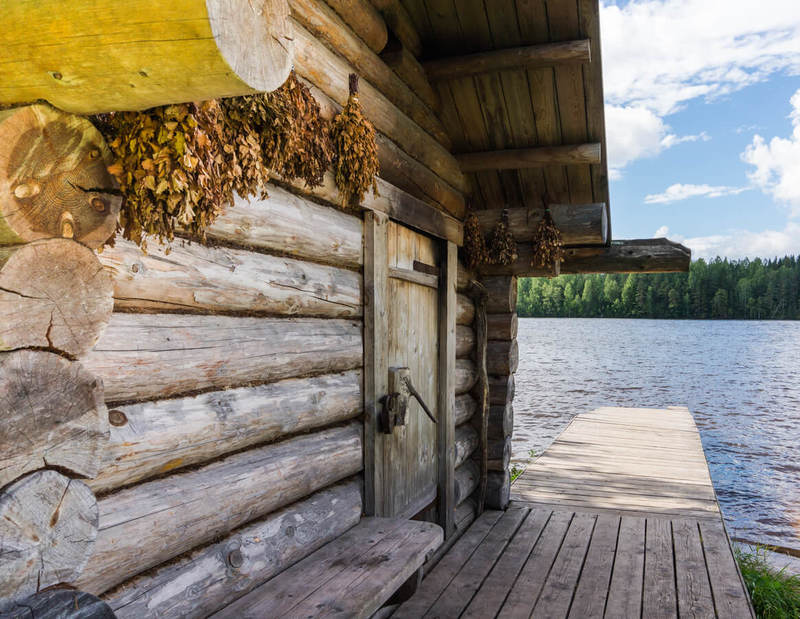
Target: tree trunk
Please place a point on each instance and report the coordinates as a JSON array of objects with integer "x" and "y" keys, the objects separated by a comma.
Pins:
[
  {"x": 465, "y": 341},
  {"x": 143, "y": 526},
  {"x": 101, "y": 56},
  {"x": 465, "y": 408},
  {"x": 466, "y": 375},
  {"x": 212, "y": 577},
  {"x": 153, "y": 438},
  {"x": 364, "y": 20},
  {"x": 195, "y": 278},
  {"x": 503, "y": 326},
  {"x": 48, "y": 526},
  {"x": 466, "y": 443},
  {"x": 53, "y": 177},
  {"x": 503, "y": 357},
  {"x": 467, "y": 477},
  {"x": 54, "y": 294},
  {"x": 53, "y": 415},
  {"x": 502, "y": 291},
  {"x": 465, "y": 310},
  {"x": 152, "y": 356}
]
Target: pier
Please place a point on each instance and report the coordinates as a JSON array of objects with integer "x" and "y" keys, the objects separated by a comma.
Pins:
[{"x": 617, "y": 518}]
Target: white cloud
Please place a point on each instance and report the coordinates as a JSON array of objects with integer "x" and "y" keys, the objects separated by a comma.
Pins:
[
  {"x": 660, "y": 54},
  {"x": 745, "y": 243},
  {"x": 777, "y": 162},
  {"x": 681, "y": 191},
  {"x": 662, "y": 232}
]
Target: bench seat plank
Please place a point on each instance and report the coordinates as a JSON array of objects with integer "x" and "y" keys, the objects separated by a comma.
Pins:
[{"x": 351, "y": 576}]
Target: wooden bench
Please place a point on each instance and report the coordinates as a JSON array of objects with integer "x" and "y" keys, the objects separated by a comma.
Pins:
[{"x": 352, "y": 576}]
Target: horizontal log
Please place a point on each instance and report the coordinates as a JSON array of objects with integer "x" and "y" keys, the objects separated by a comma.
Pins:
[
  {"x": 465, "y": 341},
  {"x": 323, "y": 22},
  {"x": 499, "y": 454},
  {"x": 579, "y": 224},
  {"x": 502, "y": 294},
  {"x": 157, "y": 437},
  {"x": 397, "y": 168},
  {"x": 525, "y": 158},
  {"x": 400, "y": 23},
  {"x": 60, "y": 604},
  {"x": 466, "y": 481},
  {"x": 465, "y": 310},
  {"x": 52, "y": 415},
  {"x": 466, "y": 375},
  {"x": 152, "y": 356},
  {"x": 364, "y": 20},
  {"x": 527, "y": 57},
  {"x": 465, "y": 276},
  {"x": 143, "y": 526},
  {"x": 502, "y": 357},
  {"x": 635, "y": 256},
  {"x": 498, "y": 489},
  {"x": 465, "y": 408},
  {"x": 501, "y": 421},
  {"x": 48, "y": 525},
  {"x": 185, "y": 50},
  {"x": 502, "y": 326},
  {"x": 53, "y": 177},
  {"x": 208, "y": 579},
  {"x": 281, "y": 224},
  {"x": 53, "y": 294},
  {"x": 465, "y": 514},
  {"x": 195, "y": 278},
  {"x": 501, "y": 390},
  {"x": 329, "y": 72},
  {"x": 466, "y": 442},
  {"x": 408, "y": 68}
]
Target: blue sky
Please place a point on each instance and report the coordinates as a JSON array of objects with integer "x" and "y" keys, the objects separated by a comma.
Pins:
[{"x": 703, "y": 123}]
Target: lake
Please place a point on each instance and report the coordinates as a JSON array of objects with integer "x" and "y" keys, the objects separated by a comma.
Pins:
[{"x": 740, "y": 379}]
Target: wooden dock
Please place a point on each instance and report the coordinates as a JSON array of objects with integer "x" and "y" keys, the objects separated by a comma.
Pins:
[{"x": 617, "y": 519}]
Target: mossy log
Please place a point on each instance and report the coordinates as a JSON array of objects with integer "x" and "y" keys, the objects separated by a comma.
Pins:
[
  {"x": 465, "y": 408},
  {"x": 148, "y": 524},
  {"x": 51, "y": 414},
  {"x": 53, "y": 177},
  {"x": 196, "y": 278},
  {"x": 213, "y": 576},
  {"x": 54, "y": 294},
  {"x": 102, "y": 56},
  {"x": 465, "y": 341},
  {"x": 152, "y": 356},
  {"x": 154, "y": 438},
  {"x": 48, "y": 526}
]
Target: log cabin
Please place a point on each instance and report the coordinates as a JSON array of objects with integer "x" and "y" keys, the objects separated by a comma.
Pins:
[{"x": 299, "y": 415}]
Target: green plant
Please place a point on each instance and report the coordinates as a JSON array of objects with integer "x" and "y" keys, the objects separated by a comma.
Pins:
[
  {"x": 775, "y": 593},
  {"x": 515, "y": 472},
  {"x": 532, "y": 453}
]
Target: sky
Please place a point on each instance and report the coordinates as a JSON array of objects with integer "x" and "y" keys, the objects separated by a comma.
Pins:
[{"x": 703, "y": 123}]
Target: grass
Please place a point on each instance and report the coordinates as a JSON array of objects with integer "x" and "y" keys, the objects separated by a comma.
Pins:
[
  {"x": 517, "y": 471},
  {"x": 775, "y": 594}
]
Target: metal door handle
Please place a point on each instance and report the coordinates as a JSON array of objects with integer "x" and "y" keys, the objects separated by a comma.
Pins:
[{"x": 395, "y": 404}]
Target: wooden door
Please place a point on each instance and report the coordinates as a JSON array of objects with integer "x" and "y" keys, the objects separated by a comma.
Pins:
[{"x": 410, "y": 452}]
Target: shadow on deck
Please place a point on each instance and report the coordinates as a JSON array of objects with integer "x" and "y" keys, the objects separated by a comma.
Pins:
[{"x": 618, "y": 518}]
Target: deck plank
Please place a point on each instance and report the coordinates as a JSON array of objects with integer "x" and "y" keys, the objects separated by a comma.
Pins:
[
  {"x": 591, "y": 593},
  {"x": 730, "y": 597},
  {"x": 694, "y": 589},
  {"x": 659, "y": 598},
  {"x": 625, "y": 590}
]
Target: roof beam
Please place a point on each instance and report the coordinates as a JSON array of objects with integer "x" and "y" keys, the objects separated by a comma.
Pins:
[
  {"x": 635, "y": 256},
  {"x": 580, "y": 224},
  {"x": 522, "y": 158},
  {"x": 528, "y": 57}
]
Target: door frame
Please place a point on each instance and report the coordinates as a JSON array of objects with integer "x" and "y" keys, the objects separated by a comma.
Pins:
[{"x": 376, "y": 368}]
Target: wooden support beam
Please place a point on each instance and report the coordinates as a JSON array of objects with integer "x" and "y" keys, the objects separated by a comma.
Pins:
[
  {"x": 635, "y": 256},
  {"x": 524, "y": 158},
  {"x": 498, "y": 491},
  {"x": 364, "y": 20},
  {"x": 400, "y": 23},
  {"x": 502, "y": 294},
  {"x": 499, "y": 454},
  {"x": 501, "y": 390},
  {"x": 408, "y": 68},
  {"x": 501, "y": 421},
  {"x": 527, "y": 57},
  {"x": 503, "y": 326},
  {"x": 101, "y": 55},
  {"x": 445, "y": 427},
  {"x": 465, "y": 408},
  {"x": 502, "y": 357},
  {"x": 579, "y": 224}
]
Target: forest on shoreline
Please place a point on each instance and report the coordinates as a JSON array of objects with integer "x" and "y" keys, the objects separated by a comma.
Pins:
[{"x": 721, "y": 288}]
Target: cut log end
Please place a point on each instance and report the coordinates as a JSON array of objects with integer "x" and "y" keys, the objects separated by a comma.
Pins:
[
  {"x": 57, "y": 406},
  {"x": 53, "y": 178},
  {"x": 48, "y": 526},
  {"x": 54, "y": 294}
]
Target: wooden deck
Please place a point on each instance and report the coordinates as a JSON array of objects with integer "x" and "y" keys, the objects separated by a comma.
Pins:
[{"x": 618, "y": 518}]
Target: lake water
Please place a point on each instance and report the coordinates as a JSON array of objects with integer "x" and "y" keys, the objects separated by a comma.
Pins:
[{"x": 740, "y": 379}]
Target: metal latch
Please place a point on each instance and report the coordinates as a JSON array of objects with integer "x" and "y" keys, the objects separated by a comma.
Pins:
[{"x": 395, "y": 404}]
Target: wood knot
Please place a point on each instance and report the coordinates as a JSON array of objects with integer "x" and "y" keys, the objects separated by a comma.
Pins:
[
  {"x": 27, "y": 190},
  {"x": 67, "y": 225},
  {"x": 235, "y": 558},
  {"x": 99, "y": 204},
  {"x": 117, "y": 418}
]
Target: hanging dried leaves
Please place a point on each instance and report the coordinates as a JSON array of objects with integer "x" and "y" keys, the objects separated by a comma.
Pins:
[
  {"x": 355, "y": 155},
  {"x": 548, "y": 248},
  {"x": 475, "y": 249},
  {"x": 502, "y": 246},
  {"x": 170, "y": 167}
]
